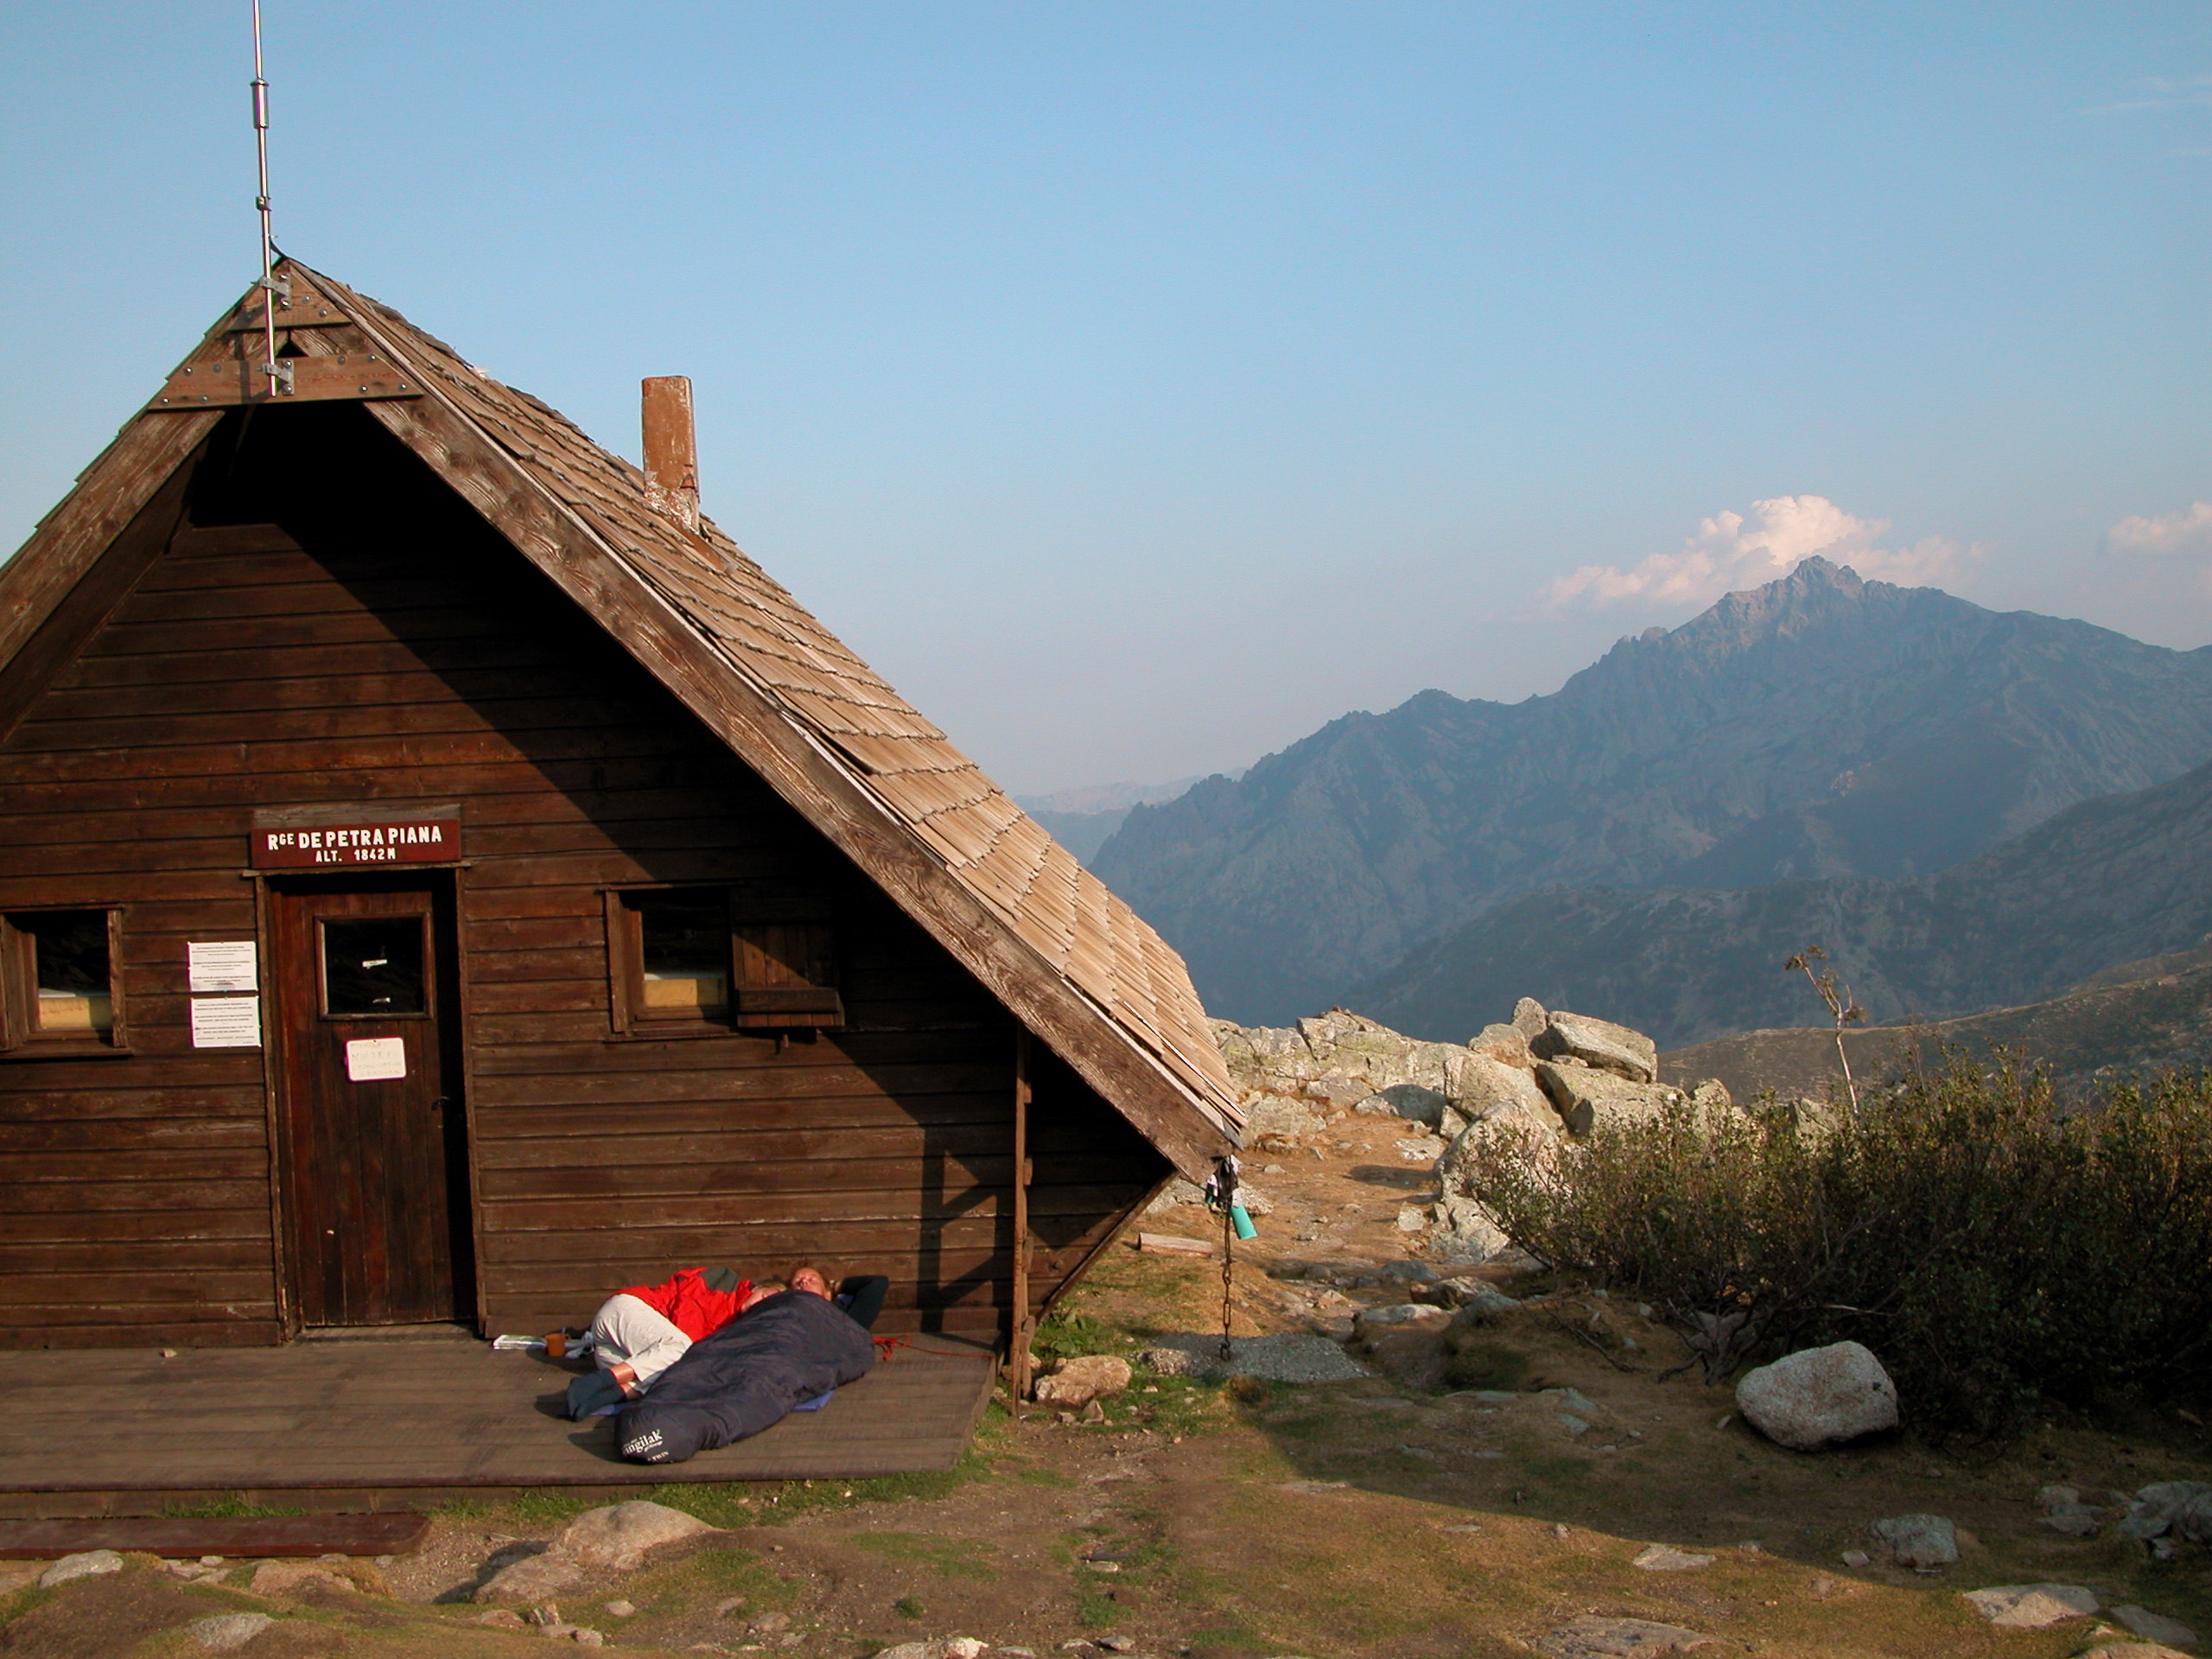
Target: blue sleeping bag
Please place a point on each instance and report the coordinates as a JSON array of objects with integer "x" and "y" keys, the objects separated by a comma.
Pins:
[{"x": 745, "y": 1376}]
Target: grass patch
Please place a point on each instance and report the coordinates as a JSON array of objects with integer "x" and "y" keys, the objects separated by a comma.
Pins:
[
  {"x": 1484, "y": 1364},
  {"x": 734, "y": 1505},
  {"x": 226, "y": 1509},
  {"x": 948, "y": 1558}
]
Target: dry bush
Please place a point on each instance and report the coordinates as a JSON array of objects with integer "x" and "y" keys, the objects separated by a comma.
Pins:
[{"x": 1991, "y": 1250}]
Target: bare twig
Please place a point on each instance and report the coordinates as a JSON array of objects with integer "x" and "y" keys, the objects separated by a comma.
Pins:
[
  {"x": 1584, "y": 1336},
  {"x": 1841, "y": 1008}
]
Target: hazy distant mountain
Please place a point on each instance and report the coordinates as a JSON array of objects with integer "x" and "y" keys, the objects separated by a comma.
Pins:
[
  {"x": 2111, "y": 881},
  {"x": 1080, "y": 819},
  {"x": 1820, "y": 726}
]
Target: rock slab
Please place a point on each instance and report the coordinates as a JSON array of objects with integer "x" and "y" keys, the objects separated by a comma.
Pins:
[
  {"x": 1598, "y": 1043},
  {"x": 1588, "y": 1098},
  {"x": 620, "y": 1535},
  {"x": 2032, "y": 1606},
  {"x": 2156, "y": 1627},
  {"x": 1592, "y": 1637},
  {"x": 2182, "y": 1508},
  {"x": 1819, "y": 1396},
  {"x": 1664, "y": 1558},
  {"x": 84, "y": 1564},
  {"x": 228, "y": 1632}
]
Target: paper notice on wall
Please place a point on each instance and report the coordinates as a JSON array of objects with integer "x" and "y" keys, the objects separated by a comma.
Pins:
[
  {"x": 223, "y": 965},
  {"x": 376, "y": 1059},
  {"x": 226, "y": 1021}
]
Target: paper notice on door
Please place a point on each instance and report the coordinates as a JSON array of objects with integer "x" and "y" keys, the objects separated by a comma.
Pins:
[
  {"x": 222, "y": 965},
  {"x": 376, "y": 1059},
  {"x": 226, "y": 1021}
]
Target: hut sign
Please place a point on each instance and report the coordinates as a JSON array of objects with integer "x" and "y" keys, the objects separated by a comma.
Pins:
[{"x": 434, "y": 842}]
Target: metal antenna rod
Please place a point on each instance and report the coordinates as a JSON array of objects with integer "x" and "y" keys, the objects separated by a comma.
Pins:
[{"x": 261, "y": 201}]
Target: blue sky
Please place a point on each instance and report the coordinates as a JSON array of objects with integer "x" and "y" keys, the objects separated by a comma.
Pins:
[{"x": 1140, "y": 386}]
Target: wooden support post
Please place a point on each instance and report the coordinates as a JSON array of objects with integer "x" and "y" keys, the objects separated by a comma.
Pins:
[{"x": 1020, "y": 1327}]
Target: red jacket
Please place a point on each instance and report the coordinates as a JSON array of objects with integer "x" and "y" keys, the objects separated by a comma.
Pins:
[{"x": 687, "y": 1303}]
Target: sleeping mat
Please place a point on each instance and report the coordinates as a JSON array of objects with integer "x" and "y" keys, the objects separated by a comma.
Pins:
[{"x": 745, "y": 1376}]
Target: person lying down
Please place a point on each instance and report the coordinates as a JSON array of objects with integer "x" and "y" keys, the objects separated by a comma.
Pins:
[
  {"x": 639, "y": 1332},
  {"x": 786, "y": 1348}
]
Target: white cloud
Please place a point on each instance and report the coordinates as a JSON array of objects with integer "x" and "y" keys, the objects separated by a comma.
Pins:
[
  {"x": 1732, "y": 551},
  {"x": 2184, "y": 533}
]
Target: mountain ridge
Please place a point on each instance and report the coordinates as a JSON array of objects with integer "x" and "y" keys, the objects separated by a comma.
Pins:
[
  {"x": 2117, "y": 880},
  {"x": 1819, "y": 727}
]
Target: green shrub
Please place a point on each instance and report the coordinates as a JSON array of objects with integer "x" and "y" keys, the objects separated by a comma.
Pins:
[{"x": 1991, "y": 1250}]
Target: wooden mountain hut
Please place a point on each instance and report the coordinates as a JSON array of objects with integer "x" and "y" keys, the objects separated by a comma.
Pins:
[{"x": 443, "y": 879}]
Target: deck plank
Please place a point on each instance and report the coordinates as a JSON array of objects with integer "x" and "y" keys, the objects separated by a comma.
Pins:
[{"x": 371, "y": 1417}]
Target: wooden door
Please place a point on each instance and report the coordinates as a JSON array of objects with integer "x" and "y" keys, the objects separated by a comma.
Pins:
[{"x": 364, "y": 975}]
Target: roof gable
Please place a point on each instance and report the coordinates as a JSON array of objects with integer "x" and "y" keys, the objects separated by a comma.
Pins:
[{"x": 1072, "y": 961}]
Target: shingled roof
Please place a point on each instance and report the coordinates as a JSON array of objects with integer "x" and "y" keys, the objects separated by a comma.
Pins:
[{"x": 1066, "y": 957}]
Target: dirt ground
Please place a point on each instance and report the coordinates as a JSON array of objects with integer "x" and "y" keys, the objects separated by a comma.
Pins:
[{"x": 1372, "y": 1517}]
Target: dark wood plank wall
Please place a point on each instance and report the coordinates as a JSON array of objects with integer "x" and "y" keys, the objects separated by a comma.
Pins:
[{"x": 387, "y": 647}]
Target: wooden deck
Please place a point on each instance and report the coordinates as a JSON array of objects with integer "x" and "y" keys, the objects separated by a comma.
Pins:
[{"x": 384, "y": 1425}]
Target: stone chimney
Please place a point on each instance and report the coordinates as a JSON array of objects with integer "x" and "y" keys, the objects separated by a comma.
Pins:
[{"x": 672, "y": 449}]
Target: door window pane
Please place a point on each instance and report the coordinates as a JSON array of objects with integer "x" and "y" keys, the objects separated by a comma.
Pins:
[
  {"x": 69, "y": 957},
  {"x": 684, "y": 951},
  {"x": 373, "y": 965}
]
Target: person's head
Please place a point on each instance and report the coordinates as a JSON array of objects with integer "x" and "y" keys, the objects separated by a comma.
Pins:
[
  {"x": 761, "y": 1290},
  {"x": 810, "y": 1279}
]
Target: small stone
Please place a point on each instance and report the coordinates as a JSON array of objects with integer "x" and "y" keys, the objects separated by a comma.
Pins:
[
  {"x": 227, "y": 1632},
  {"x": 503, "y": 1618},
  {"x": 1117, "y": 1644},
  {"x": 84, "y": 1564},
  {"x": 770, "y": 1624},
  {"x": 1574, "y": 1425},
  {"x": 2031, "y": 1606},
  {"x": 2076, "y": 1523},
  {"x": 211, "y": 1561},
  {"x": 620, "y": 1608},
  {"x": 1661, "y": 1558},
  {"x": 1856, "y": 1558},
  {"x": 1593, "y": 1638},
  {"x": 2156, "y": 1627},
  {"x": 168, "y": 1353},
  {"x": 1078, "y": 1381},
  {"x": 1922, "y": 1542}
]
